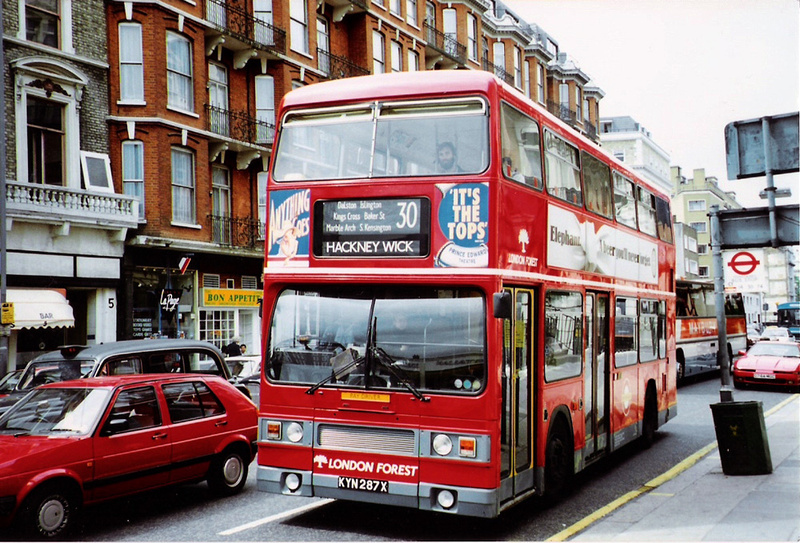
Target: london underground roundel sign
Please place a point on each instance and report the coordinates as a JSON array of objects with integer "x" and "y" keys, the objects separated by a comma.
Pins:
[{"x": 743, "y": 263}]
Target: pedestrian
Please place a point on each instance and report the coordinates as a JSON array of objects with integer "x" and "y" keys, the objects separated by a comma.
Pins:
[{"x": 233, "y": 348}]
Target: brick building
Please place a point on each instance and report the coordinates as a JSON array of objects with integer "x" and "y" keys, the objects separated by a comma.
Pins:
[{"x": 179, "y": 100}]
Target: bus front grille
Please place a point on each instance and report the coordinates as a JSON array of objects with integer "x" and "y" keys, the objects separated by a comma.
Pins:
[{"x": 367, "y": 439}]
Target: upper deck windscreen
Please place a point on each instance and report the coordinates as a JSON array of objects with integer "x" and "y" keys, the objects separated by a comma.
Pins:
[{"x": 396, "y": 139}]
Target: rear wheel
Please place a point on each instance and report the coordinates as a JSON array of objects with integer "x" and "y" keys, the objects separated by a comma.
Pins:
[
  {"x": 50, "y": 512},
  {"x": 558, "y": 462},
  {"x": 681, "y": 360},
  {"x": 228, "y": 472},
  {"x": 650, "y": 419}
]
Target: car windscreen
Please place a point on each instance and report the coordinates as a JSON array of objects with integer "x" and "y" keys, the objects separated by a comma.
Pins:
[{"x": 51, "y": 411}]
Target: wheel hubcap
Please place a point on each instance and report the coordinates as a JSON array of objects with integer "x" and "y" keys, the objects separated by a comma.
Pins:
[
  {"x": 232, "y": 470},
  {"x": 51, "y": 515}
]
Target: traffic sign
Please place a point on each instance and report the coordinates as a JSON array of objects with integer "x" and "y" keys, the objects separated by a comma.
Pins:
[{"x": 743, "y": 263}]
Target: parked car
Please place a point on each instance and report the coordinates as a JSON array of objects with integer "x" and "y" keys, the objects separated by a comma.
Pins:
[
  {"x": 769, "y": 363},
  {"x": 73, "y": 443},
  {"x": 9, "y": 381},
  {"x": 135, "y": 356},
  {"x": 775, "y": 333}
]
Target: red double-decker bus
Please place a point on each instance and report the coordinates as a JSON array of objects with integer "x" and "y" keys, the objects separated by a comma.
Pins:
[{"x": 465, "y": 301}]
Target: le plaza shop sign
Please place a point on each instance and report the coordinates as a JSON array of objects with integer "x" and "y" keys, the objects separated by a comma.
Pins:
[{"x": 228, "y": 297}]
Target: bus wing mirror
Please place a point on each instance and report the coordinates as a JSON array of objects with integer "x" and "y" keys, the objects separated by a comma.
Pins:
[{"x": 502, "y": 305}]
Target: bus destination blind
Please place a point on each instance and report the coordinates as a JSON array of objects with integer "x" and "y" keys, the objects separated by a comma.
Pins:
[{"x": 397, "y": 227}]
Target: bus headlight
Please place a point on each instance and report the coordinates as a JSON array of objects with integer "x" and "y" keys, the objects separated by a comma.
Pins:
[
  {"x": 292, "y": 482},
  {"x": 442, "y": 444},
  {"x": 294, "y": 432}
]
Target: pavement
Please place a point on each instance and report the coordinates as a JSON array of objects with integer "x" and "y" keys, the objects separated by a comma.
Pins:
[{"x": 696, "y": 501}]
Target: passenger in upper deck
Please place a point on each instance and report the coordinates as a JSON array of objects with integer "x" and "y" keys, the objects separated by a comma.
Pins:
[{"x": 446, "y": 159}]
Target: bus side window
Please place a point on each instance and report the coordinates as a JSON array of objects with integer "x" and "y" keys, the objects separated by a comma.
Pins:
[
  {"x": 563, "y": 169},
  {"x": 522, "y": 153},
  {"x": 624, "y": 202},
  {"x": 597, "y": 185}
]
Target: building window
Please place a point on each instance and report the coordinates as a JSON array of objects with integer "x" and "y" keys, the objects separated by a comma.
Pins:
[
  {"x": 262, "y": 11},
  {"x": 450, "y": 28},
  {"x": 526, "y": 79},
  {"x": 218, "y": 327},
  {"x": 133, "y": 172},
  {"x": 265, "y": 108},
  {"x": 517, "y": 67},
  {"x": 180, "y": 90},
  {"x": 499, "y": 58},
  {"x": 299, "y": 26},
  {"x": 221, "y": 204},
  {"x": 323, "y": 46},
  {"x": 697, "y": 205},
  {"x": 395, "y": 6},
  {"x": 411, "y": 12},
  {"x": 378, "y": 53},
  {"x": 131, "y": 63},
  {"x": 218, "y": 98},
  {"x": 46, "y": 137},
  {"x": 397, "y": 57},
  {"x": 693, "y": 267},
  {"x": 43, "y": 22},
  {"x": 183, "y": 199},
  {"x": 699, "y": 227},
  {"x": 691, "y": 244},
  {"x": 702, "y": 249},
  {"x": 413, "y": 61},
  {"x": 578, "y": 104},
  {"x": 702, "y": 271},
  {"x": 262, "y": 204},
  {"x": 619, "y": 155},
  {"x": 472, "y": 36},
  {"x": 540, "y": 83}
]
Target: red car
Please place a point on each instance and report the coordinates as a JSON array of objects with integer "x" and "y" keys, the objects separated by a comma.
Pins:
[
  {"x": 73, "y": 443},
  {"x": 768, "y": 363}
]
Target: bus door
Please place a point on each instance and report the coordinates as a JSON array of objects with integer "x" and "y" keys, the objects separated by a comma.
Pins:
[
  {"x": 516, "y": 429},
  {"x": 597, "y": 381}
]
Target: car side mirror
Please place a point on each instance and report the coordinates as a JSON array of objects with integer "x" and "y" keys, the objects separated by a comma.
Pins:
[{"x": 502, "y": 305}]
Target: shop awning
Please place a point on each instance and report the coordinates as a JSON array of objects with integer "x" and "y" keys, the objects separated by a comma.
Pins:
[{"x": 40, "y": 308}]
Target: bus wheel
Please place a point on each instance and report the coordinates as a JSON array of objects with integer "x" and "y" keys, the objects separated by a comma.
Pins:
[
  {"x": 681, "y": 365},
  {"x": 558, "y": 462}
]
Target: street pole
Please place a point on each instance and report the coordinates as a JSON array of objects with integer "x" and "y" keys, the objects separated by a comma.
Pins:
[
  {"x": 726, "y": 392},
  {"x": 5, "y": 332},
  {"x": 770, "y": 190}
]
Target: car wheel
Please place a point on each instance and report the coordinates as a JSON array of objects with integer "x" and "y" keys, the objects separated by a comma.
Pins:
[
  {"x": 50, "y": 512},
  {"x": 558, "y": 462},
  {"x": 228, "y": 472}
]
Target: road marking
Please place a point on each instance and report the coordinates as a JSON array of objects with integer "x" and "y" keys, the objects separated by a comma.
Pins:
[
  {"x": 275, "y": 518},
  {"x": 673, "y": 472}
]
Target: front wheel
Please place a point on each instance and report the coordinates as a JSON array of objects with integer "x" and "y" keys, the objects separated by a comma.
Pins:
[
  {"x": 228, "y": 473},
  {"x": 50, "y": 513}
]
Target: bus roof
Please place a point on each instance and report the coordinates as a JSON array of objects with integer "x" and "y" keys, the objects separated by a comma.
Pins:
[{"x": 394, "y": 85}]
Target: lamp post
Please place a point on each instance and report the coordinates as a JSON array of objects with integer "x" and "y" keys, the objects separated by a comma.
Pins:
[{"x": 4, "y": 330}]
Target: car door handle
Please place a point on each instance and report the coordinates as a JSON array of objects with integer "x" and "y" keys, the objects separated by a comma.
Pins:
[
  {"x": 159, "y": 436},
  {"x": 221, "y": 423}
]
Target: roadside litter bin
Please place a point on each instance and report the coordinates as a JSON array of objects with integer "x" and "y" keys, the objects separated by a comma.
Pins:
[{"x": 742, "y": 438}]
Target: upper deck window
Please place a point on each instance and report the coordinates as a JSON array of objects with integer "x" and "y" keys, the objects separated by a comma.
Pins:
[
  {"x": 563, "y": 169},
  {"x": 442, "y": 137},
  {"x": 624, "y": 203},
  {"x": 597, "y": 183},
  {"x": 522, "y": 151}
]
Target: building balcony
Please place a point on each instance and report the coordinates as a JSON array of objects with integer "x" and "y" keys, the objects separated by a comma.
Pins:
[
  {"x": 563, "y": 112},
  {"x": 489, "y": 66},
  {"x": 245, "y": 232},
  {"x": 341, "y": 8},
  {"x": 62, "y": 207},
  {"x": 590, "y": 130},
  {"x": 443, "y": 48},
  {"x": 236, "y": 131},
  {"x": 243, "y": 33},
  {"x": 337, "y": 67}
]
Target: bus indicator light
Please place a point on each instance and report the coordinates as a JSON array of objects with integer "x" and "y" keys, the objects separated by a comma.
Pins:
[
  {"x": 467, "y": 447},
  {"x": 274, "y": 430}
]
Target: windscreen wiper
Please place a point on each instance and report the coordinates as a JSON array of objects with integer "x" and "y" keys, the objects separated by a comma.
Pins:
[
  {"x": 388, "y": 362},
  {"x": 337, "y": 373}
]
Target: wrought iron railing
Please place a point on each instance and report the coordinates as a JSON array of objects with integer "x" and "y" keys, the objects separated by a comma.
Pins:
[
  {"x": 500, "y": 72},
  {"x": 562, "y": 111},
  {"x": 236, "y": 231},
  {"x": 590, "y": 129},
  {"x": 444, "y": 43},
  {"x": 244, "y": 26},
  {"x": 239, "y": 126},
  {"x": 338, "y": 67}
]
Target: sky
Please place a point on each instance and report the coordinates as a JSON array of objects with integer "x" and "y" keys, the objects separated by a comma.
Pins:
[{"x": 684, "y": 69}]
